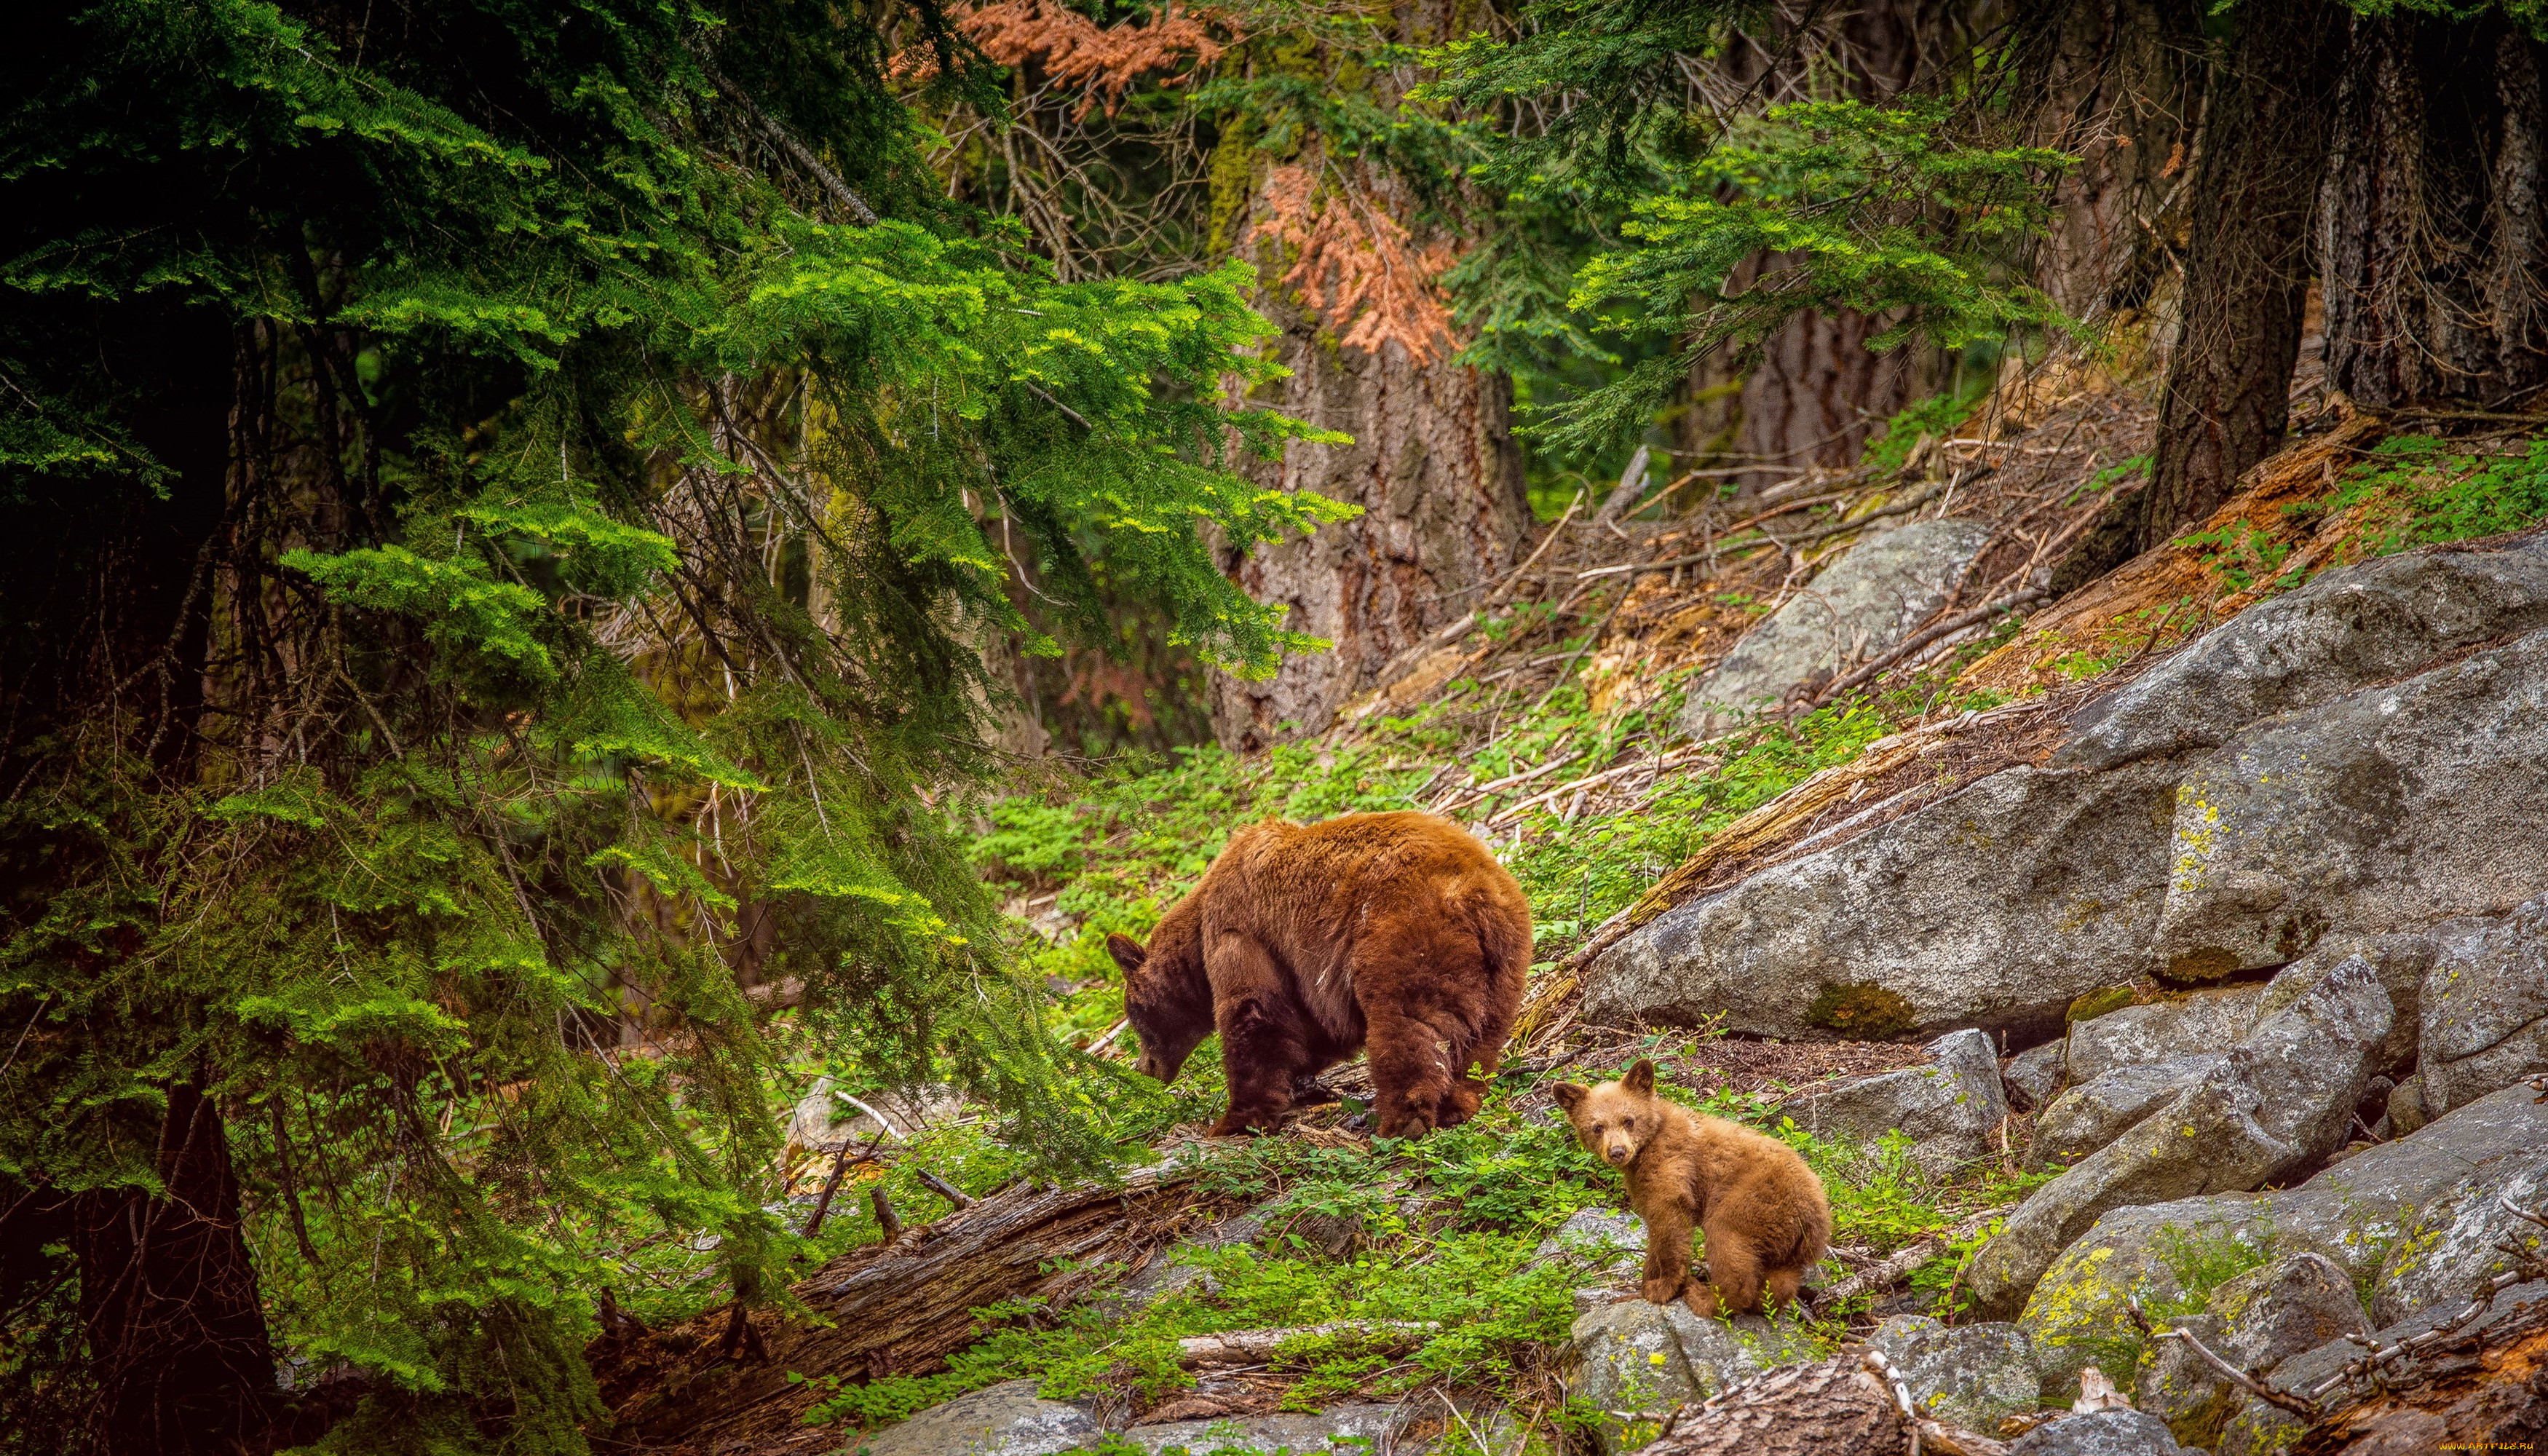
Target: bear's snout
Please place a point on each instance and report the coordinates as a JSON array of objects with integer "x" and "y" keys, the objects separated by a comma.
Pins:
[
  {"x": 1155, "y": 1067},
  {"x": 1619, "y": 1154}
]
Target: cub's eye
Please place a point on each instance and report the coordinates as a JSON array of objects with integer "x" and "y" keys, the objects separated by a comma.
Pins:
[{"x": 1627, "y": 1124}]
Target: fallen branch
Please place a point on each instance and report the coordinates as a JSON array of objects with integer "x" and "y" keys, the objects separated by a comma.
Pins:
[
  {"x": 2243, "y": 1379},
  {"x": 1899, "y": 1266},
  {"x": 1680, "y": 758},
  {"x": 945, "y": 1189},
  {"x": 1263, "y": 1346}
]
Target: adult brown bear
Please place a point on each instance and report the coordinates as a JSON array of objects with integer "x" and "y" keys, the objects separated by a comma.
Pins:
[{"x": 1305, "y": 942}]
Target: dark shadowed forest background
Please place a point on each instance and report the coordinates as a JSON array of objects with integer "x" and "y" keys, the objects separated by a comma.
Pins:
[{"x": 570, "y": 568}]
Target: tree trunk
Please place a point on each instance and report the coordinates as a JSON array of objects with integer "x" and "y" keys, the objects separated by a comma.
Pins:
[
  {"x": 2120, "y": 88},
  {"x": 1439, "y": 481},
  {"x": 168, "y": 1296},
  {"x": 2247, "y": 264},
  {"x": 2434, "y": 249},
  {"x": 1815, "y": 393}
]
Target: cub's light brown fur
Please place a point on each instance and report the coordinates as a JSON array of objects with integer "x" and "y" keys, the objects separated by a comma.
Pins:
[
  {"x": 1304, "y": 944},
  {"x": 1761, "y": 1209}
]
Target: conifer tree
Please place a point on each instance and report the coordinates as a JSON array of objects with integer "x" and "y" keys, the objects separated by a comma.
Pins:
[{"x": 504, "y": 496}]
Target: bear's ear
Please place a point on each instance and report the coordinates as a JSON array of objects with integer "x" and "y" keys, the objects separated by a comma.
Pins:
[
  {"x": 1640, "y": 1078},
  {"x": 1570, "y": 1096},
  {"x": 1128, "y": 952}
]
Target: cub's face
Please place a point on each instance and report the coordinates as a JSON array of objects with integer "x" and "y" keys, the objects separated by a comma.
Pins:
[{"x": 1614, "y": 1120}]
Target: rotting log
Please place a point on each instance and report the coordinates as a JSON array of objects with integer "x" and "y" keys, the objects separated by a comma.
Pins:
[
  {"x": 902, "y": 1308},
  {"x": 1834, "y": 1408}
]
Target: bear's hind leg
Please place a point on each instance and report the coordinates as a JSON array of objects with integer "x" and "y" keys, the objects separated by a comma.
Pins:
[
  {"x": 1410, "y": 1081},
  {"x": 1782, "y": 1285},
  {"x": 1734, "y": 1268}
]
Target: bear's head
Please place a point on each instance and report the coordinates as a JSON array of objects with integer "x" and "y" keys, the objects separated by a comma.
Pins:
[
  {"x": 1614, "y": 1120},
  {"x": 1166, "y": 996}
]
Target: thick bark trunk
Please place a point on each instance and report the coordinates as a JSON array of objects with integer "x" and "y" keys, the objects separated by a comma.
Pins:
[
  {"x": 168, "y": 1296},
  {"x": 1435, "y": 471},
  {"x": 1815, "y": 393},
  {"x": 2120, "y": 88},
  {"x": 2247, "y": 264},
  {"x": 2433, "y": 247}
]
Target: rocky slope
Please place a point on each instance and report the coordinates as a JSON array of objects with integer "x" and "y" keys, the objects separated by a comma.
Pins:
[{"x": 2202, "y": 1000}]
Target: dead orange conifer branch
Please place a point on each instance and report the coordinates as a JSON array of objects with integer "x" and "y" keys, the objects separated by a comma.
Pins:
[
  {"x": 1076, "y": 51},
  {"x": 1355, "y": 265}
]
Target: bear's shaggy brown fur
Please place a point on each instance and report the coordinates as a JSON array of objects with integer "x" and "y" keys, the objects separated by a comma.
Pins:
[
  {"x": 1761, "y": 1209},
  {"x": 1303, "y": 943}
]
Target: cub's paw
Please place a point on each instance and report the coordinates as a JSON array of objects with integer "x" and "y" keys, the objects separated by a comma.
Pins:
[
  {"x": 1662, "y": 1291},
  {"x": 1701, "y": 1297}
]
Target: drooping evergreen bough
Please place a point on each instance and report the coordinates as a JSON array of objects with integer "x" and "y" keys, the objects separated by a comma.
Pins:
[{"x": 504, "y": 503}]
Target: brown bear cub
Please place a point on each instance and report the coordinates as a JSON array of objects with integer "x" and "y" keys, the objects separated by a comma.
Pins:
[
  {"x": 1761, "y": 1209},
  {"x": 1304, "y": 944}
]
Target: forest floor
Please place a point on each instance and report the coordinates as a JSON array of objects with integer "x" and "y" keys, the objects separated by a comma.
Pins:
[{"x": 1546, "y": 725}]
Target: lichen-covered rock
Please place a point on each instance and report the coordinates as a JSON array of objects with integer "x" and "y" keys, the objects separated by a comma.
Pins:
[
  {"x": 1166, "y": 1271},
  {"x": 2294, "y": 1303},
  {"x": 1860, "y": 605},
  {"x": 1949, "y": 1109},
  {"x": 1594, "y": 1239},
  {"x": 2346, "y": 629},
  {"x": 2390, "y": 809},
  {"x": 2277, "y": 1103},
  {"x": 2032, "y": 1077},
  {"x": 1972, "y": 1375},
  {"x": 1349, "y": 1430},
  {"x": 1005, "y": 1420},
  {"x": 1631, "y": 1362},
  {"x": 1991, "y": 908},
  {"x": 2161, "y": 1031},
  {"x": 2486, "y": 1010},
  {"x": 2102, "y": 1108},
  {"x": 2357, "y": 1214},
  {"x": 2178, "y": 1387},
  {"x": 2453, "y": 1241},
  {"x": 2099, "y": 1434}
]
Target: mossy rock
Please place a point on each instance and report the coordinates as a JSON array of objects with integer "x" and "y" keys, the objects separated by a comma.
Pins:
[
  {"x": 2090, "y": 1005},
  {"x": 1865, "y": 1011}
]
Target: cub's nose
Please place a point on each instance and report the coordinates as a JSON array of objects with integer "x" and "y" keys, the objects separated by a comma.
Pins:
[{"x": 1618, "y": 1153}]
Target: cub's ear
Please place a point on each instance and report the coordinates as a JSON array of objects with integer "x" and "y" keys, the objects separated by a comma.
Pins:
[
  {"x": 1128, "y": 952},
  {"x": 1570, "y": 1096},
  {"x": 1641, "y": 1077}
]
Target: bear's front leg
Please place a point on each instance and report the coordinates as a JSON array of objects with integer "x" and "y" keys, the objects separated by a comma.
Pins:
[
  {"x": 1262, "y": 1052},
  {"x": 1667, "y": 1272}
]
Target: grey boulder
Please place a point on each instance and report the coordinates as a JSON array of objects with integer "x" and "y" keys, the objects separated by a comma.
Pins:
[
  {"x": 2096, "y": 1112},
  {"x": 1005, "y": 1420},
  {"x": 2486, "y": 1010},
  {"x": 1993, "y": 907},
  {"x": 2358, "y": 1213},
  {"x": 1949, "y": 1109},
  {"x": 1972, "y": 1375},
  {"x": 2277, "y": 1103},
  {"x": 1633, "y": 1362},
  {"x": 2294, "y": 1305},
  {"x": 2393, "y": 808},
  {"x": 2161, "y": 1031},
  {"x": 2346, "y": 629},
  {"x": 2032, "y": 1077},
  {"x": 2099, "y": 1434},
  {"x": 1860, "y": 605}
]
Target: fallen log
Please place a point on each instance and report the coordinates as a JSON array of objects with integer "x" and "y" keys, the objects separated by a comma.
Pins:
[
  {"x": 1840, "y": 1407},
  {"x": 901, "y": 1307},
  {"x": 1264, "y": 1346}
]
